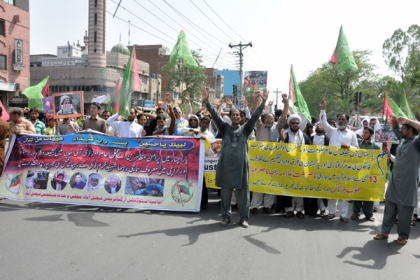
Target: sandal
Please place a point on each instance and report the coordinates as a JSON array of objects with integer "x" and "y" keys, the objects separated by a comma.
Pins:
[
  {"x": 322, "y": 213},
  {"x": 401, "y": 241},
  {"x": 329, "y": 216},
  {"x": 380, "y": 236},
  {"x": 354, "y": 217},
  {"x": 344, "y": 219},
  {"x": 372, "y": 219}
]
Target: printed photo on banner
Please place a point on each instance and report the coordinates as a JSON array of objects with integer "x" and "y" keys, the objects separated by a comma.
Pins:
[
  {"x": 78, "y": 181},
  {"x": 145, "y": 186},
  {"x": 68, "y": 104},
  {"x": 112, "y": 184},
  {"x": 215, "y": 148},
  {"x": 384, "y": 133},
  {"x": 37, "y": 179},
  {"x": 94, "y": 182},
  {"x": 59, "y": 180}
]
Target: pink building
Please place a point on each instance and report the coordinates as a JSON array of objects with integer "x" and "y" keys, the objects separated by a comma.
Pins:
[{"x": 14, "y": 49}]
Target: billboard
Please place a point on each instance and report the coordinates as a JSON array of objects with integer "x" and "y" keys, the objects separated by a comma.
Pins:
[{"x": 255, "y": 79}]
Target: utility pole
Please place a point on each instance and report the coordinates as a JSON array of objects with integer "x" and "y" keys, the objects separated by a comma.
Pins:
[
  {"x": 241, "y": 46},
  {"x": 277, "y": 91}
]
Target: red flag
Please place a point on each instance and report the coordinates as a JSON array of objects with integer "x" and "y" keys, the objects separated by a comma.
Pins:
[
  {"x": 5, "y": 115},
  {"x": 117, "y": 96},
  {"x": 391, "y": 108},
  {"x": 46, "y": 89}
]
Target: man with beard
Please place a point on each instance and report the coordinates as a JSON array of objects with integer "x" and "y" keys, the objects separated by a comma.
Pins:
[
  {"x": 401, "y": 194},
  {"x": 267, "y": 131},
  {"x": 294, "y": 135},
  {"x": 341, "y": 137},
  {"x": 232, "y": 169},
  {"x": 39, "y": 126},
  {"x": 129, "y": 128},
  {"x": 95, "y": 122}
]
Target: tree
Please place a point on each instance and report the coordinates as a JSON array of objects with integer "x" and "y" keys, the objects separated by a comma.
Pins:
[
  {"x": 192, "y": 78},
  {"x": 327, "y": 82},
  {"x": 402, "y": 52}
]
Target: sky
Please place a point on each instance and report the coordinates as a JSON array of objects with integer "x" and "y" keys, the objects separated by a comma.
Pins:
[{"x": 302, "y": 33}]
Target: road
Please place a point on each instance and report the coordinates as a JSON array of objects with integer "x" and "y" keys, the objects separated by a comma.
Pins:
[{"x": 57, "y": 241}]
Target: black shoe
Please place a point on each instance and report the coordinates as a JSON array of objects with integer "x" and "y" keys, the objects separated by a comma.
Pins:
[
  {"x": 267, "y": 210},
  {"x": 254, "y": 211},
  {"x": 289, "y": 214},
  {"x": 234, "y": 206},
  {"x": 300, "y": 215}
]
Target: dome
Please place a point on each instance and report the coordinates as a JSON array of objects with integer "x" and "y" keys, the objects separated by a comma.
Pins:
[{"x": 120, "y": 48}]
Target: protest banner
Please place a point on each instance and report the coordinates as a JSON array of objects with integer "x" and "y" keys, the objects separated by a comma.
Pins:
[
  {"x": 150, "y": 173},
  {"x": 311, "y": 171}
]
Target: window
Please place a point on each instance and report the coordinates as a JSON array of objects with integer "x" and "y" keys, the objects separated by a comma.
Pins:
[
  {"x": 2, "y": 27},
  {"x": 96, "y": 19},
  {"x": 11, "y": 2},
  {"x": 3, "y": 62},
  {"x": 94, "y": 37}
]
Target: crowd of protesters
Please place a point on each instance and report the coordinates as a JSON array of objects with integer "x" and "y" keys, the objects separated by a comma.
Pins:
[{"x": 259, "y": 123}]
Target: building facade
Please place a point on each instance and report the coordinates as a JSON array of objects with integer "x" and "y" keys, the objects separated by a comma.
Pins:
[
  {"x": 90, "y": 68},
  {"x": 14, "y": 49}
]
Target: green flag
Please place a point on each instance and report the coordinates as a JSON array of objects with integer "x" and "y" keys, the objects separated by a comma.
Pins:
[
  {"x": 406, "y": 107},
  {"x": 34, "y": 94},
  {"x": 297, "y": 97},
  {"x": 343, "y": 55},
  {"x": 182, "y": 51},
  {"x": 131, "y": 82}
]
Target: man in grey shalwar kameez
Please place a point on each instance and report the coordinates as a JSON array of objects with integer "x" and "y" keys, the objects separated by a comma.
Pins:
[
  {"x": 232, "y": 169},
  {"x": 401, "y": 195}
]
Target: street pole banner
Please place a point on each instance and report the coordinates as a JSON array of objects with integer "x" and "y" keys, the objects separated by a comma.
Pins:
[
  {"x": 311, "y": 171},
  {"x": 163, "y": 173}
]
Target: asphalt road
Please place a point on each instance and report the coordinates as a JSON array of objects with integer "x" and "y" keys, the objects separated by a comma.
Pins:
[{"x": 57, "y": 241}]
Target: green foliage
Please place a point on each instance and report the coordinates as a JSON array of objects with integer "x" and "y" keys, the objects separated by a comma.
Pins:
[
  {"x": 338, "y": 88},
  {"x": 402, "y": 52},
  {"x": 192, "y": 78}
]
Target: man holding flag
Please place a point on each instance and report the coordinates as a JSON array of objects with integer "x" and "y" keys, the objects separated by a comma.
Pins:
[{"x": 401, "y": 194}]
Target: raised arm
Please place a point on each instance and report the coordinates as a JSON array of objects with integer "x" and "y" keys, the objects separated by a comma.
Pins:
[
  {"x": 323, "y": 118},
  {"x": 171, "y": 127},
  {"x": 249, "y": 126},
  {"x": 215, "y": 117},
  {"x": 283, "y": 118}
]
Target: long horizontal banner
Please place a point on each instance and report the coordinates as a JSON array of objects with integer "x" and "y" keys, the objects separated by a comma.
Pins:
[
  {"x": 309, "y": 170},
  {"x": 150, "y": 173}
]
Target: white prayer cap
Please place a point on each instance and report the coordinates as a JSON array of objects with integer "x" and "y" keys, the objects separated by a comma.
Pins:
[{"x": 293, "y": 116}]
